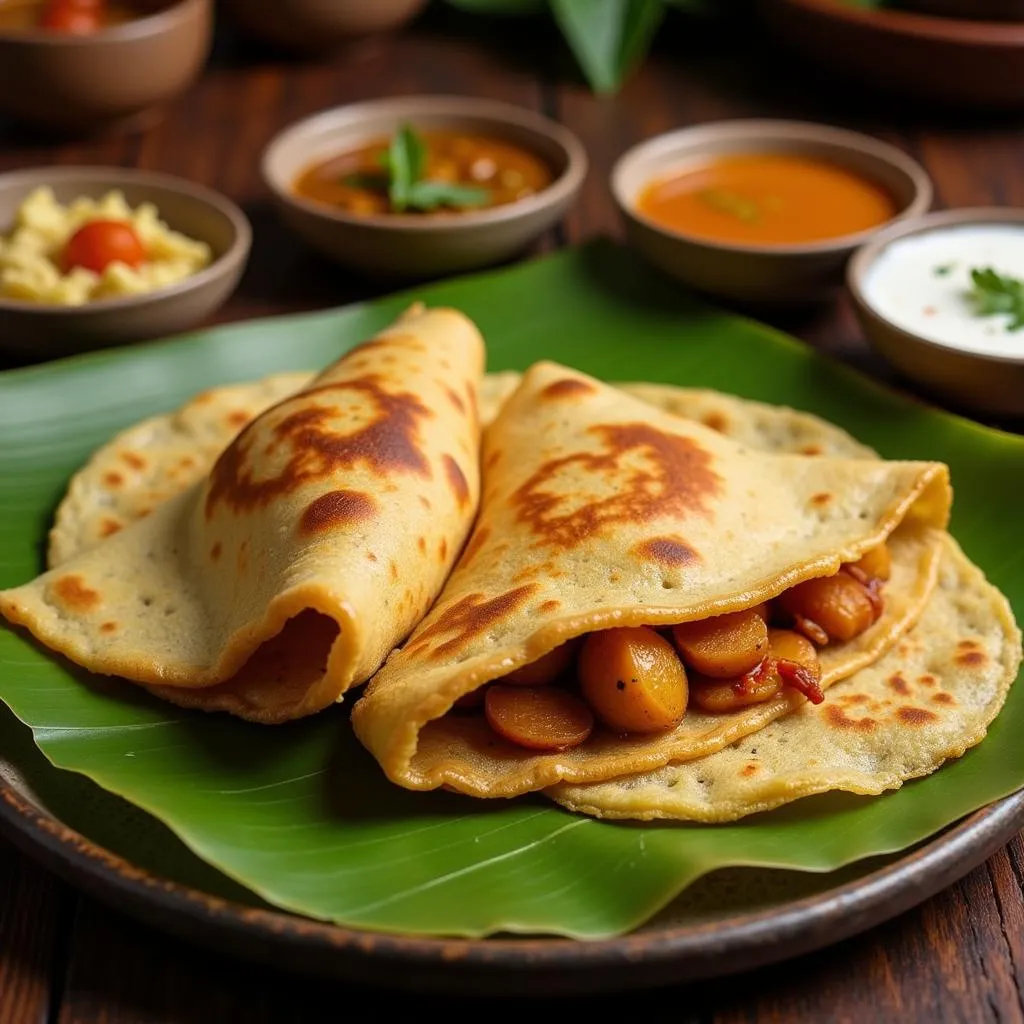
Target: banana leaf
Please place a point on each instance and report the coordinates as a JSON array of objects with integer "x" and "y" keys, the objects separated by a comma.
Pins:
[{"x": 300, "y": 815}]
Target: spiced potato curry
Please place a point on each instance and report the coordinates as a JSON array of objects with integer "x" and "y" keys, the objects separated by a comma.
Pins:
[{"x": 639, "y": 589}]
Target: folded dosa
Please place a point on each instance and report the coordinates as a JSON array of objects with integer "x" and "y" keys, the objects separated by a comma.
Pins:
[
  {"x": 318, "y": 538},
  {"x": 599, "y": 511}
]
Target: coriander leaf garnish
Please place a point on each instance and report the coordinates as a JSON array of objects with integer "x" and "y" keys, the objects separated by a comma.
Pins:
[
  {"x": 993, "y": 293},
  {"x": 406, "y": 162}
]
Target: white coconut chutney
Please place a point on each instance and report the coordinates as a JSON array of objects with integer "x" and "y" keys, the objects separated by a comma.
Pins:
[{"x": 922, "y": 283}]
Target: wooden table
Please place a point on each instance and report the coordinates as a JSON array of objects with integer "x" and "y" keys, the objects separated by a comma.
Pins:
[{"x": 960, "y": 956}]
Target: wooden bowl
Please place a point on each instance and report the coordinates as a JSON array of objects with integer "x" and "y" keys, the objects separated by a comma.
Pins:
[
  {"x": 973, "y": 380},
  {"x": 407, "y": 245},
  {"x": 950, "y": 60},
  {"x": 311, "y": 25},
  {"x": 112, "y": 79},
  {"x": 45, "y": 331},
  {"x": 760, "y": 274}
]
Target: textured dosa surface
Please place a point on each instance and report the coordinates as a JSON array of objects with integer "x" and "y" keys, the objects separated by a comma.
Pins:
[
  {"x": 600, "y": 511},
  {"x": 321, "y": 535},
  {"x": 162, "y": 456},
  {"x": 930, "y": 698}
]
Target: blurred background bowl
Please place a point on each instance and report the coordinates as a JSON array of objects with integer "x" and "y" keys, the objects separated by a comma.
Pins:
[
  {"x": 411, "y": 245},
  {"x": 112, "y": 79},
  {"x": 46, "y": 331},
  {"x": 762, "y": 273},
  {"x": 318, "y": 25},
  {"x": 952, "y": 60}
]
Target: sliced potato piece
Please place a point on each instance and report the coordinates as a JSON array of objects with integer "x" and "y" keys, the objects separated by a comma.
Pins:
[
  {"x": 720, "y": 697},
  {"x": 633, "y": 679},
  {"x": 538, "y": 718},
  {"x": 876, "y": 563},
  {"x": 838, "y": 604},
  {"x": 546, "y": 669},
  {"x": 725, "y": 646}
]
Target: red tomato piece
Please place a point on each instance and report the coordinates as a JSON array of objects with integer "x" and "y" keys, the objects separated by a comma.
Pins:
[{"x": 98, "y": 244}]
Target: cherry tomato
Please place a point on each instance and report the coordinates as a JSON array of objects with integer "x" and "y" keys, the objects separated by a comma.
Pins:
[
  {"x": 102, "y": 242},
  {"x": 77, "y": 17}
]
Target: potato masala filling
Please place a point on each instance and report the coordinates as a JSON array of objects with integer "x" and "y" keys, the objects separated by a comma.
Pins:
[{"x": 641, "y": 679}]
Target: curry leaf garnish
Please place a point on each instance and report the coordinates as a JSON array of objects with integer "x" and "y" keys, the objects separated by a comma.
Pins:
[
  {"x": 731, "y": 203},
  {"x": 993, "y": 293},
  {"x": 406, "y": 163}
]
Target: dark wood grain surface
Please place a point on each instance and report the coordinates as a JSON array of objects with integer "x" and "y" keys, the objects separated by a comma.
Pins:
[{"x": 960, "y": 956}]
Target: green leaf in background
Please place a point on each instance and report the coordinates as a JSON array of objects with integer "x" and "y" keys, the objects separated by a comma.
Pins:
[
  {"x": 300, "y": 814},
  {"x": 608, "y": 37}
]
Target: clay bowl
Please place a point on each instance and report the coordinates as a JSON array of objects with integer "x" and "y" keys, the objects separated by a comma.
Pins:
[
  {"x": 760, "y": 274},
  {"x": 113, "y": 79},
  {"x": 44, "y": 332},
  {"x": 410, "y": 245},
  {"x": 950, "y": 60},
  {"x": 967, "y": 379},
  {"x": 312, "y": 25}
]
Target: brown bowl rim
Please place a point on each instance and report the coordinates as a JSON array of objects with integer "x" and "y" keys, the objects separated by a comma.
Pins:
[
  {"x": 144, "y": 27},
  {"x": 236, "y": 253},
  {"x": 996, "y": 34},
  {"x": 865, "y": 257},
  {"x": 562, "y": 188},
  {"x": 772, "y": 129}
]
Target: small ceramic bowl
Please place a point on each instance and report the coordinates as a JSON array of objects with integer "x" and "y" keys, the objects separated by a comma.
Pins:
[
  {"x": 313, "y": 25},
  {"x": 45, "y": 331},
  {"x": 112, "y": 79},
  {"x": 407, "y": 245},
  {"x": 749, "y": 273},
  {"x": 975, "y": 380}
]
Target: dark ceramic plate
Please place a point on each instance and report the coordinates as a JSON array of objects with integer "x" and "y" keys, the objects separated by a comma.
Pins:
[{"x": 729, "y": 921}]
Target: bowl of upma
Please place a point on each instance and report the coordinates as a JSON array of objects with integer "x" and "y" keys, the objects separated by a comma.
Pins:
[{"x": 97, "y": 256}]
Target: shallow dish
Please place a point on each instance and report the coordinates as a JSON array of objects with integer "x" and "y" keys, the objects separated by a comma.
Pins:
[
  {"x": 112, "y": 79},
  {"x": 413, "y": 245},
  {"x": 46, "y": 331},
  {"x": 762, "y": 273},
  {"x": 960, "y": 62},
  {"x": 312, "y": 25},
  {"x": 990, "y": 382}
]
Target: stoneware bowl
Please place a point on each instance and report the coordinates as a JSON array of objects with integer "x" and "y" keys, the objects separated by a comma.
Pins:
[
  {"x": 990, "y": 383},
  {"x": 113, "y": 79},
  {"x": 946, "y": 59},
  {"x": 759, "y": 274},
  {"x": 45, "y": 332},
  {"x": 407, "y": 245},
  {"x": 312, "y": 25}
]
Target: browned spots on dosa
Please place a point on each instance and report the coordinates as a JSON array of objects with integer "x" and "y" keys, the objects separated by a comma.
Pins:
[
  {"x": 670, "y": 551},
  {"x": 303, "y": 436},
  {"x": 915, "y": 716},
  {"x": 898, "y": 684},
  {"x": 492, "y": 458},
  {"x": 716, "y": 421},
  {"x": 943, "y": 698},
  {"x": 457, "y": 480},
  {"x": 108, "y": 627},
  {"x": 215, "y": 551},
  {"x": 108, "y": 527},
  {"x": 186, "y": 462},
  {"x": 476, "y": 542},
  {"x": 839, "y": 719},
  {"x": 336, "y": 508},
  {"x": 648, "y": 473},
  {"x": 749, "y": 769},
  {"x": 393, "y": 568},
  {"x": 453, "y": 397},
  {"x": 71, "y": 591},
  {"x": 442, "y": 549},
  {"x": 425, "y": 502},
  {"x": 549, "y": 606},
  {"x": 821, "y": 499},
  {"x": 242, "y": 559},
  {"x": 370, "y": 556},
  {"x": 468, "y": 618},
  {"x": 811, "y": 449},
  {"x": 237, "y": 418},
  {"x": 421, "y": 543},
  {"x": 113, "y": 479},
  {"x": 969, "y": 654},
  {"x": 568, "y": 388},
  {"x": 133, "y": 459},
  {"x": 927, "y": 680}
]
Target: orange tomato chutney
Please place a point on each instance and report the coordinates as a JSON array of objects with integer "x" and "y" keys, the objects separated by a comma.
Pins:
[
  {"x": 354, "y": 181},
  {"x": 767, "y": 199},
  {"x": 28, "y": 14}
]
